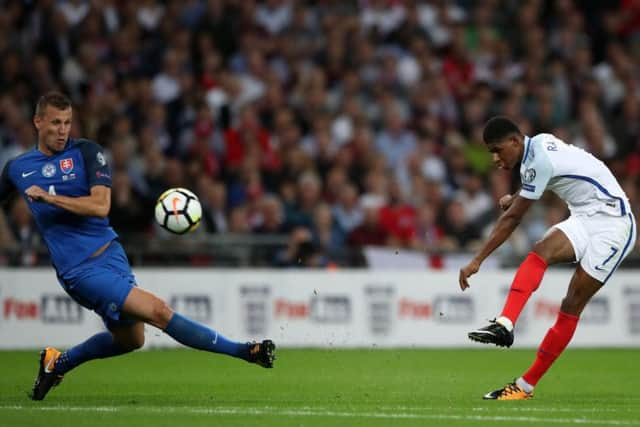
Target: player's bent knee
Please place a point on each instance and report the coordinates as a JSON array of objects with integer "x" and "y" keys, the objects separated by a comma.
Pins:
[{"x": 161, "y": 313}]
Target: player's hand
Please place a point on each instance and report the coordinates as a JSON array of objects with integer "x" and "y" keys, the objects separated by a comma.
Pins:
[
  {"x": 467, "y": 271},
  {"x": 36, "y": 194},
  {"x": 505, "y": 201}
]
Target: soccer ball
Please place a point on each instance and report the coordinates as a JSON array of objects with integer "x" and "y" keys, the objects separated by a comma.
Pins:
[{"x": 178, "y": 210}]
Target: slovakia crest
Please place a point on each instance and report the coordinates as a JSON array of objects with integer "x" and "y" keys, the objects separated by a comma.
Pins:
[
  {"x": 49, "y": 170},
  {"x": 66, "y": 165}
]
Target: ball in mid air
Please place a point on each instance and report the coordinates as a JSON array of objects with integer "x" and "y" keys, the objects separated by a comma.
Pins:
[{"x": 178, "y": 210}]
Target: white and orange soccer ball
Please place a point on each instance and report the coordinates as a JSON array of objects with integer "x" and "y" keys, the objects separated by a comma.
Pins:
[{"x": 178, "y": 210}]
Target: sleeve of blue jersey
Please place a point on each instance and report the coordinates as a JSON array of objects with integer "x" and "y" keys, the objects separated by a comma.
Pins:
[
  {"x": 95, "y": 163},
  {"x": 6, "y": 185}
]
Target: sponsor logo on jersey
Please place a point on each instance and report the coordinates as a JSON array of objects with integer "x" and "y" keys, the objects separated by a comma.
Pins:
[
  {"x": 66, "y": 165},
  {"x": 26, "y": 174},
  {"x": 102, "y": 175},
  {"x": 49, "y": 170}
]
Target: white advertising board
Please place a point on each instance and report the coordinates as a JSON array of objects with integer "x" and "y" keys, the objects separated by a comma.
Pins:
[{"x": 324, "y": 308}]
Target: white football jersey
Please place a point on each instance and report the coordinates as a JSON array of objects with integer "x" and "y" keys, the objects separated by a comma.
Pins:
[{"x": 576, "y": 176}]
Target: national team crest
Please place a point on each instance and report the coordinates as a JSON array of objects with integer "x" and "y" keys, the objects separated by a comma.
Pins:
[{"x": 66, "y": 165}]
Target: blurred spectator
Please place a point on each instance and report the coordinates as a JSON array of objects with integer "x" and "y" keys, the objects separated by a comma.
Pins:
[
  {"x": 395, "y": 141},
  {"x": 129, "y": 210},
  {"x": 461, "y": 233},
  {"x": 346, "y": 211},
  {"x": 370, "y": 232},
  {"x": 301, "y": 251},
  {"x": 213, "y": 198},
  {"x": 272, "y": 219},
  {"x": 474, "y": 198},
  {"x": 398, "y": 218},
  {"x": 24, "y": 232},
  {"x": 308, "y": 196},
  {"x": 355, "y": 104},
  {"x": 238, "y": 221},
  {"x": 429, "y": 235},
  {"x": 327, "y": 234}
]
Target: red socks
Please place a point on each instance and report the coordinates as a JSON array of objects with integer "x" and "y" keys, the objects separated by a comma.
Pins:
[
  {"x": 552, "y": 345},
  {"x": 527, "y": 280}
]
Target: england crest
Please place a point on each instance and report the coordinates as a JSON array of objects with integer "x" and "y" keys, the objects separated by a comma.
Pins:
[{"x": 66, "y": 165}]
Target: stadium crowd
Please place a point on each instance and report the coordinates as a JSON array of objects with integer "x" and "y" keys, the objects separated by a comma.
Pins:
[{"x": 338, "y": 123}]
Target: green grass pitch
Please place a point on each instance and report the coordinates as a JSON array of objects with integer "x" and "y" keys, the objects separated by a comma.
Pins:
[{"x": 326, "y": 388}]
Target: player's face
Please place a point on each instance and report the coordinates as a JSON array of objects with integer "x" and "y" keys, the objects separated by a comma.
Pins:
[
  {"x": 53, "y": 127},
  {"x": 507, "y": 153}
]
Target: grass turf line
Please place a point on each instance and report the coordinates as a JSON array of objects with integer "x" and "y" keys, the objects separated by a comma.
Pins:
[{"x": 317, "y": 387}]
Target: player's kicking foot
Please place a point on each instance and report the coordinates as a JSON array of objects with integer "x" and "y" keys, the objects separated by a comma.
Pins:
[
  {"x": 509, "y": 392},
  {"x": 495, "y": 333},
  {"x": 46, "y": 378},
  {"x": 262, "y": 353}
]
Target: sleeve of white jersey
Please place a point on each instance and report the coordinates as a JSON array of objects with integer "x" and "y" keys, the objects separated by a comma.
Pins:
[{"x": 536, "y": 175}]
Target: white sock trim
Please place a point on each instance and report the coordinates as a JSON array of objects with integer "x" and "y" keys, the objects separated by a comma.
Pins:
[
  {"x": 520, "y": 382},
  {"x": 504, "y": 321}
]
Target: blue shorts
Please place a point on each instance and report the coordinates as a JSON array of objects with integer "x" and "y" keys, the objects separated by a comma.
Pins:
[{"x": 102, "y": 284}]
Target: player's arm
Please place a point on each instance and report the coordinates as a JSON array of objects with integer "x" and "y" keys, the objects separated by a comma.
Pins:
[
  {"x": 535, "y": 178},
  {"x": 96, "y": 204},
  {"x": 507, "y": 222}
]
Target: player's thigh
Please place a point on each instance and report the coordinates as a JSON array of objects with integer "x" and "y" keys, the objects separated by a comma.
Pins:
[
  {"x": 555, "y": 247},
  {"x": 129, "y": 335},
  {"x": 612, "y": 238},
  {"x": 581, "y": 288},
  {"x": 149, "y": 308},
  {"x": 101, "y": 283}
]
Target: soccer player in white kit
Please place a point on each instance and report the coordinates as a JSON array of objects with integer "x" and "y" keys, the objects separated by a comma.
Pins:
[{"x": 598, "y": 235}]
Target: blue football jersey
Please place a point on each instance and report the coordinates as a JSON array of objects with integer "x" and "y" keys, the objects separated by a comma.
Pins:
[{"x": 72, "y": 172}]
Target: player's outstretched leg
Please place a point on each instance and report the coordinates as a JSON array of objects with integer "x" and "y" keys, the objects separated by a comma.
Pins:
[
  {"x": 54, "y": 364},
  {"x": 146, "y": 306},
  {"x": 525, "y": 282},
  {"x": 198, "y": 336}
]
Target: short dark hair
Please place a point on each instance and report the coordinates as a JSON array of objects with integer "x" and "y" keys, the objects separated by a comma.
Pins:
[
  {"x": 498, "y": 129},
  {"x": 53, "y": 98}
]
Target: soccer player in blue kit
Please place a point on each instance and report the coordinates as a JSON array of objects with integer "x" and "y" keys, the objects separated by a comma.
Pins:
[{"x": 66, "y": 183}]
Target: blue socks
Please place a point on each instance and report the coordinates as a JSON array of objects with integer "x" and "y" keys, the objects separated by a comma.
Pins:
[
  {"x": 180, "y": 328},
  {"x": 99, "y": 346},
  {"x": 196, "y": 335}
]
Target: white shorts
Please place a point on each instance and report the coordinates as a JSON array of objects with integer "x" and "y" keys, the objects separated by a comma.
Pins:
[{"x": 600, "y": 241}]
